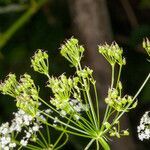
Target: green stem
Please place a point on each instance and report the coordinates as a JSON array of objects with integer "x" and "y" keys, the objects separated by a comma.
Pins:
[
  {"x": 97, "y": 104},
  {"x": 88, "y": 113},
  {"x": 61, "y": 135},
  {"x": 32, "y": 147},
  {"x": 48, "y": 134},
  {"x": 29, "y": 146},
  {"x": 40, "y": 143},
  {"x": 105, "y": 116},
  {"x": 89, "y": 144},
  {"x": 62, "y": 143},
  {"x": 119, "y": 74},
  {"x": 66, "y": 125},
  {"x": 90, "y": 101},
  {"x": 112, "y": 75},
  {"x": 107, "y": 112},
  {"x": 140, "y": 89},
  {"x": 59, "y": 138},
  {"x": 104, "y": 144},
  {"x": 43, "y": 138},
  {"x": 67, "y": 131},
  {"x": 97, "y": 145}
]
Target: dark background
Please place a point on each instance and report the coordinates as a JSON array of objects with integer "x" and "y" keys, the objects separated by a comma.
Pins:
[{"x": 92, "y": 22}]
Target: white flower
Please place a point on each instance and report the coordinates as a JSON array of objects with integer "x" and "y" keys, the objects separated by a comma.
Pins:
[
  {"x": 6, "y": 148},
  {"x": 48, "y": 111},
  {"x": 12, "y": 145},
  {"x": 4, "y": 128},
  {"x": 28, "y": 135},
  {"x": 36, "y": 127},
  {"x": 27, "y": 119},
  {"x": 56, "y": 120},
  {"x": 24, "y": 142},
  {"x": 42, "y": 117},
  {"x": 22, "y": 122},
  {"x": 63, "y": 113},
  {"x": 144, "y": 128},
  {"x": 5, "y": 140}
]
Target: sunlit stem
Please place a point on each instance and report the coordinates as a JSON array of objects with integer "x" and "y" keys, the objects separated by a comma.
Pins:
[
  {"x": 88, "y": 113},
  {"x": 119, "y": 74},
  {"x": 112, "y": 75},
  {"x": 43, "y": 138},
  {"x": 140, "y": 89},
  {"x": 62, "y": 143},
  {"x": 66, "y": 131},
  {"x": 89, "y": 144},
  {"x": 106, "y": 116},
  {"x": 90, "y": 103},
  {"x": 59, "y": 138},
  {"x": 97, "y": 145},
  {"x": 61, "y": 135},
  {"x": 104, "y": 144},
  {"x": 97, "y": 104},
  {"x": 39, "y": 142},
  {"x": 48, "y": 134},
  {"x": 65, "y": 124}
]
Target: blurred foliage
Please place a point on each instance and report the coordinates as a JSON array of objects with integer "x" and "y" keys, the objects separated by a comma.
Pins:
[{"x": 144, "y": 4}]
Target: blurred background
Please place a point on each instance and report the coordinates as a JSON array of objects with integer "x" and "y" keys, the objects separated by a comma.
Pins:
[{"x": 28, "y": 25}]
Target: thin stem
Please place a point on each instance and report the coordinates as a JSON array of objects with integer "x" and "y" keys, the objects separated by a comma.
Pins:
[
  {"x": 106, "y": 116},
  {"x": 67, "y": 131},
  {"x": 112, "y": 75},
  {"x": 138, "y": 92},
  {"x": 97, "y": 145},
  {"x": 119, "y": 74},
  {"x": 92, "y": 108},
  {"x": 62, "y": 143},
  {"x": 110, "y": 112},
  {"x": 140, "y": 89},
  {"x": 88, "y": 113},
  {"x": 61, "y": 135},
  {"x": 32, "y": 147},
  {"x": 89, "y": 144},
  {"x": 90, "y": 101},
  {"x": 43, "y": 138},
  {"x": 97, "y": 105},
  {"x": 59, "y": 138},
  {"x": 104, "y": 144},
  {"x": 39, "y": 142},
  {"x": 86, "y": 126},
  {"x": 48, "y": 134},
  {"x": 29, "y": 146},
  {"x": 61, "y": 122}
]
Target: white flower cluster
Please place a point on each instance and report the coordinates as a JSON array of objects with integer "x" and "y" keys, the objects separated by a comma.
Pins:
[
  {"x": 144, "y": 128},
  {"x": 22, "y": 122},
  {"x": 76, "y": 107},
  {"x": 5, "y": 138}
]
